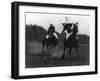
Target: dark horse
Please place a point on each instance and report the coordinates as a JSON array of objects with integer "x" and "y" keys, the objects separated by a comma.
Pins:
[
  {"x": 50, "y": 43},
  {"x": 70, "y": 41}
]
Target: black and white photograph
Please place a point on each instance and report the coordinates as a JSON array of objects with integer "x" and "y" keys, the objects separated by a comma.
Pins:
[
  {"x": 51, "y": 40},
  {"x": 56, "y": 39}
]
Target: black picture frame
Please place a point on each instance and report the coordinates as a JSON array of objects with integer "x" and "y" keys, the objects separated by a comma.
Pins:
[{"x": 15, "y": 39}]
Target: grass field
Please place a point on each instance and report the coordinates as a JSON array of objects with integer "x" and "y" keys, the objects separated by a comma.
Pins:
[{"x": 35, "y": 58}]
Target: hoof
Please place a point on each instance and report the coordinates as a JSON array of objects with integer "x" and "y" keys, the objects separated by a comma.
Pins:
[{"x": 79, "y": 56}]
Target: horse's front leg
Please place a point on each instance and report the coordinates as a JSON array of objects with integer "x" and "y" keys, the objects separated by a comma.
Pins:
[
  {"x": 70, "y": 51},
  {"x": 63, "y": 55},
  {"x": 77, "y": 51},
  {"x": 42, "y": 48},
  {"x": 47, "y": 49},
  {"x": 54, "y": 47}
]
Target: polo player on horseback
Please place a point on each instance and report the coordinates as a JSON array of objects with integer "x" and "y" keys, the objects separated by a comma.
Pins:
[
  {"x": 51, "y": 32},
  {"x": 71, "y": 39},
  {"x": 51, "y": 39}
]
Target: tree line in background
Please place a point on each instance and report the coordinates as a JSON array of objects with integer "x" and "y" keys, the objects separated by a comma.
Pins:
[{"x": 37, "y": 33}]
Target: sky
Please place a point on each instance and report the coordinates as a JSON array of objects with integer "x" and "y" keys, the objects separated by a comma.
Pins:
[{"x": 44, "y": 20}]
